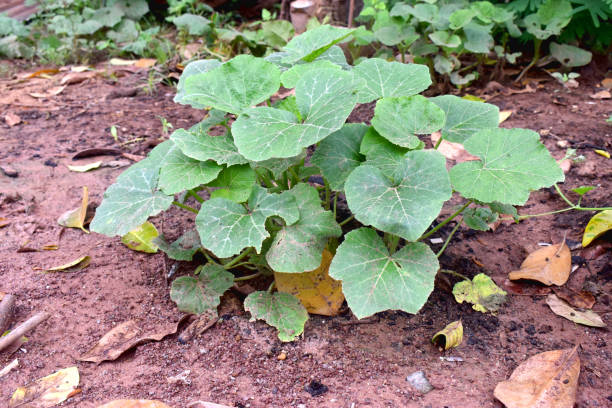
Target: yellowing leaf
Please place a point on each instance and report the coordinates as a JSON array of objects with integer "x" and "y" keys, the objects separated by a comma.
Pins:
[
  {"x": 546, "y": 380},
  {"x": 76, "y": 218},
  {"x": 85, "y": 167},
  {"x": 503, "y": 115},
  {"x": 602, "y": 153},
  {"x": 134, "y": 404},
  {"x": 145, "y": 62},
  {"x": 317, "y": 291},
  {"x": 47, "y": 391},
  {"x": 599, "y": 224},
  {"x": 121, "y": 62},
  {"x": 550, "y": 265},
  {"x": 481, "y": 292},
  {"x": 77, "y": 264},
  {"x": 141, "y": 239},
  {"x": 561, "y": 308},
  {"x": 450, "y": 336}
]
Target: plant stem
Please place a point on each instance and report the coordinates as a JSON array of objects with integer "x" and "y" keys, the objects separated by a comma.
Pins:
[
  {"x": 392, "y": 242},
  {"x": 446, "y": 221},
  {"x": 335, "y": 205},
  {"x": 537, "y": 43},
  {"x": 327, "y": 195},
  {"x": 271, "y": 287},
  {"x": 438, "y": 142},
  {"x": 265, "y": 179},
  {"x": 457, "y": 274},
  {"x": 349, "y": 219},
  {"x": 185, "y": 207},
  {"x": 247, "y": 277},
  {"x": 195, "y": 195},
  {"x": 450, "y": 236},
  {"x": 237, "y": 259}
]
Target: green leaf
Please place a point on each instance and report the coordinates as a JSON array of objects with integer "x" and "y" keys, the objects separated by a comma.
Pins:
[
  {"x": 192, "y": 23},
  {"x": 478, "y": 38},
  {"x": 500, "y": 208},
  {"x": 313, "y": 43},
  {"x": 445, "y": 39},
  {"x": 488, "y": 13},
  {"x": 88, "y": 27},
  {"x": 484, "y": 295},
  {"x": 405, "y": 205},
  {"x": 335, "y": 55},
  {"x": 226, "y": 227},
  {"x": 126, "y": 31},
  {"x": 382, "y": 153},
  {"x": 281, "y": 310},
  {"x": 570, "y": 56},
  {"x": 134, "y": 9},
  {"x": 290, "y": 77},
  {"x": 198, "y": 294},
  {"x": 582, "y": 190},
  {"x": 399, "y": 120},
  {"x": 240, "y": 83},
  {"x": 338, "y": 154},
  {"x": 460, "y": 18},
  {"x": 193, "y": 68},
  {"x": 425, "y": 12},
  {"x": 180, "y": 172},
  {"x": 374, "y": 280},
  {"x": 443, "y": 65},
  {"x": 298, "y": 247},
  {"x": 513, "y": 163},
  {"x": 325, "y": 98},
  {"x": 289, "y": 104},
  {"x": 279, "y": 166},
  {"x": 390, "y": 79},
  {"x": 277, "y": 32},
  {"x": 141, "y": 238},
  {"x": 478, "y": 218},
  {"x": 234, "y": 183},
  {"x": 108, "y": 16},
  {"x": 183, "y": 248},
  {"x": 464, "y": 118}
]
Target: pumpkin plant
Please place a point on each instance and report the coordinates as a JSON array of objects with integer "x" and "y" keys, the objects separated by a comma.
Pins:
[{"x": 267, "y": 191}]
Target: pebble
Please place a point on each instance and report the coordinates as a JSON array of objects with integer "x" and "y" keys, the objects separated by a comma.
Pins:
[
  {"x": 282, "y": 356},
  {"x": 10, "y": 171},
  {"x": 419, "y": 382}
]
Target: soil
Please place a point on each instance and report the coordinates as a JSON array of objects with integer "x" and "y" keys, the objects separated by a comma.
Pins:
[{"x": 338, "y": 362}]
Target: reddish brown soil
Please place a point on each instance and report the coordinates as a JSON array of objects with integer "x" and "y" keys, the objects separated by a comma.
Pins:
[{"x": 235, "y": 362}]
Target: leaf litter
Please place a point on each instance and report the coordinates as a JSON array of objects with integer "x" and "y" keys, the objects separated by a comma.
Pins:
[
  {"x": 550, "y": 265},
  {"x": 76, "y": 218},
  {"x": 47, "y": 391},
  {"x": 561, "y": 308},
  {"x": 450, "y": 336}
]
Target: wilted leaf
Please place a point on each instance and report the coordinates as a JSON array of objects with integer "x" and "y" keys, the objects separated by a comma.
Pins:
[
  {"x": 198, "y": 294},
  {"x": 281, "y": 310},
  {"x": 125, "y": 336},
  {"x": 141, "y": 239},
  {"x": 47, "y": 391},
  {"x": 85, "y": 167},
  {"x": 77, "y": 264},
  {"x": 134, "y": 404},
  {"x": 317, "y": 291},
  {"x": 550, "y": 265},
  {"x": 450, "y": 336},
  {"x": 183, "y": 248},
  {"x": 548, "y": 379},
  {"x": 597, "y": 226},
  {"x": 481, "y": 292},
  {"x": 76, "y": 218},
  {"x": 587, "y": 318},
  {"x": 145, "y": 62},
  {"x": 56, "y": 90}
]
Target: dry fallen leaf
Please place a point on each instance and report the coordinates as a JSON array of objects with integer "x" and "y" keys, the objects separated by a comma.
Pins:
[
  {"x": 565, "y": 164},
  {"x": 503, "y": 115},
  {"x": 49, "y": 71},
  {"x": 124, "y": 403},
  {"x": 582, "y": 299},
  {"x": 550, "y": 265},
  {"x": 12, "y": 119},
  {"x": 85, "y": 167},
  {"x": 597, "y": 226},
  {"x": 77, "y": 77},
  {"x": 47, "y": 391},
  {"x": 546, "y": 380},
  {"x": 56, "y": 90},
  {"x": 607, "y": 83},
  {"x": 601, "y": 95},
  {"x": 587, "y": 318},
  {"x": 7, "y": 369},
  {"x": 145, "y": 62},
  {"x": 76, "y": 218},
  {"x": 77, "y": 264},
  {"x": 450, "y": 150},
  {"x": 318, "y": 292},
  {"x": 450, "y": 336}
]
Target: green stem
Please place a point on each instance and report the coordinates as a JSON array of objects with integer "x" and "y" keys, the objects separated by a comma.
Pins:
[
  {"x": 392, "y": 242},
  {"x": 247, "y": 277},
  {"x": 185, "y": 207},
  {"x": 271, "y": 287},
  {"x": 335, "y": 205},
  {"x": 294, "y": 177},
  {"x": 457, "y": 274},
  {"x": 263, "y": 177},
  {"x": 327, "y": 195},
  {"x": 450, "y": 236},
  {"x": 349, "y": 219},
  {"x": 209, "y": 259},
  {"x": 438, "y": 142},
  {"x": 446, "y": 221},
  {"x": 237, "y": 259},
  {"x": 195, "y": 195},
  {"x": 537, "y": 43}
]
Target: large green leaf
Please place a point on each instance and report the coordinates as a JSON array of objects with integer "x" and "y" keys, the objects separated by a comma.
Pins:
[
  {"x": 290, "y": 77},
  {"x": 226, "y": 227},
  {"x": 234, "y": 183},
  {"x": 198, "y": 144},
  {"x": 133, "y": 9},
  {"x": 338, "y": 154},
  {"x": 193, "y": 68},
  {"x": 279, "y": 166},
  {"x": 570, "y": 56},
  {"x": 183, "y": 248},
  {"x": 311, "y": 44},
  {"x": 298, "y": 247},
  {"x": 445, "y": 39},
  {"x": 335, "y": 55},
  {"x": 141, "y": 238},
  {"x": 180, "y": 172},
  {"x": 385, "y": 79},
  {"x": 240, "y": 83},
  {"x": 108, "y": 16},
  {"x": 400, "y": 119},
  {"x": 464, "y": 118},
  {"x": 512, "y": 163},
  {"x": 192, "y": 23},
  {"x": 374, "y": 280},
  {"x": 281, "y": 310},
  {"x": 324, "y": 98},
  {"x": 382, "y": 153},
  {"x": 478, "y": 38},
  {"x": 405, "y": 205},
  {"x": 199, "y": 294}
]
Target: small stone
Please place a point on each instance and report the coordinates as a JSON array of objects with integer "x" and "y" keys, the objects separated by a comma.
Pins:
[
  {"x": 10, "y": 171},
  {"x": 419, "y": 382},
  {"x": 562, "y": 144},
  {"x": 282, "y": 356},
  {"x": 315, "y": 388}
]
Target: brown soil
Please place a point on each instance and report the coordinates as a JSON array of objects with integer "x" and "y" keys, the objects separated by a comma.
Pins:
[{"x": 235, "y": 362}]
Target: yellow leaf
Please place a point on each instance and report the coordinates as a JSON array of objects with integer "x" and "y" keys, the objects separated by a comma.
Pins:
[
  {"x": 50, "y": 247},
  {"x": 47, "y": 391},
  {"x": 602, "y": 153},
  {"x": 80, "y": 263},
  {"x": 450, "y": 336},
  {"x": 120, "y": 61},
  {"x": 85, "y": 167},
  {"x": 319, "y": 293},
  {"x": 599, "y": 224},
  {"x": 76, "y": 218},
  {"x": 587, "y": 318},
  {"x": 550, "y": 265},
  {"x": 141, "y": 239},
  {"x": 503, "y": 115},
  {"x": 134, "y": 404},
  {"x": 547, "y": 380},
  {"x": 145, "y": 62}
]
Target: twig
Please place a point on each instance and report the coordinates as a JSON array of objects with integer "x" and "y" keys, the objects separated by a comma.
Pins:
[
  {"x": 9, "y": 367},
  {"x": 22, "y": 329},
  {"x": 6, "y": 311},
  {"x": 351, "y": 13}
]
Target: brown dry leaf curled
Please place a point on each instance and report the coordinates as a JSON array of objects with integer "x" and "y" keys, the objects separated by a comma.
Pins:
[
  {"x": 587, "y": 318},
  {"x": 450, "y": 336},
  {"x": 125, "y": 403},
  {"x": 582, "y": 299},
  {"x": 76, "y": 218},
  {"x": 546, "y": 380},
  {"x": 450, "y": 150},
  {"x": 550, "y": 265},
  {"x": 47, "y": 391},
  {"x": 318, "y": 292}
]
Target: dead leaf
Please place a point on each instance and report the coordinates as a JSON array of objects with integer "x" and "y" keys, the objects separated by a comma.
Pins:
[
  {"x": 77, "y": 77},
  {"x": 50, "y": 247},
  {"x": 78, "y": 264},
  {"x": 527, "y": 89},
  {"x": 550, "y": 265},
  {"x": 450, "y": 150},
  {"x": 603, "y": 153},
  {"x": 134, "y": 404},
  {"x": 318, "y": 292},
  {"x": 607, "y": 83},
  {"x": 565, "y": 164},
  {"x": 96, "y": 151},
  {"x": 582, "y": 299},
  {"x": 49, "y": 71},
  {"x": 503, "y": 115},
  {"x": 601, "y": 95},
  {"x": 76, "y": 218},
  {"x": 202, "y": 323},
  {"x": 587, "y": 318},
  {"x": 121, "y": 62},
  {"x": 145, "y": 62},
  {"x": 12, "y": 119},
  {"x": 597, "y": 226},
  {"x": 126, "y": 336},
  {"x": 56, "y": 90},
  {"x": 546, "y": 380},
  {"x": 188, "y": 51},
  {"x": 450, "y": 336},
  {"x": 85, "y": 167},
  {"x": 47, "y": 391},
  {"x": 79, "y": 68},
  {"x": 4, "y": 222}
]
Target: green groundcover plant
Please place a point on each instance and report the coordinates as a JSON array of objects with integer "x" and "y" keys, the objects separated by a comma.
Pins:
[{"x": 259, "y": 208}]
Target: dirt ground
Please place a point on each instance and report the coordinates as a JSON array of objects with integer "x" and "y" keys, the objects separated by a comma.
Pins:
[{"x": 235, "y": 362}]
